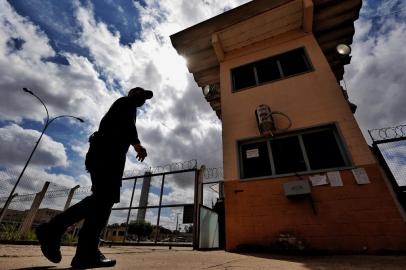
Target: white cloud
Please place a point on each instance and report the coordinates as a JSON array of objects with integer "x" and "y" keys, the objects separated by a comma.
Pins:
[
  {"x": 66, "y": 89},
  {"x": 178, "y": 123},
  {"x": 375, "y": 77},
  {"x": 16, "y": 144}
]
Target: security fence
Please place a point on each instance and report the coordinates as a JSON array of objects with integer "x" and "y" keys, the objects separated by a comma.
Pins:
[
  {"x": 163, "y": 206},
  {"x": 156, "y": 207},
  {"x": 389, "y": 144},
  {"x": 159, "y": 205},
  {"x": 25, "y": 212}
]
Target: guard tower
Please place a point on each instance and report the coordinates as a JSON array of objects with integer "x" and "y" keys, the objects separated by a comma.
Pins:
[{"x": 298, "y": 173}]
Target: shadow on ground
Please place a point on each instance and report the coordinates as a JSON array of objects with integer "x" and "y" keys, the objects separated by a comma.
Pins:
[{"x": 338, "y": 262}]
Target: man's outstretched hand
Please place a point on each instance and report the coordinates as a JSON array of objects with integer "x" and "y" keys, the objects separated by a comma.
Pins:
[{"x": 141, "y": 152}]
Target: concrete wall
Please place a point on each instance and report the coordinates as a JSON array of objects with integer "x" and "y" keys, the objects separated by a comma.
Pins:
[
  {"x": 352, "y": 218},
  {"x": 349, "y": 218}
]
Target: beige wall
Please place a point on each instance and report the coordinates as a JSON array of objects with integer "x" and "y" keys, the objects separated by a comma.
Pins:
[
  {"x": 351, "y": 218},
  {"x": 310, "y": 99}
]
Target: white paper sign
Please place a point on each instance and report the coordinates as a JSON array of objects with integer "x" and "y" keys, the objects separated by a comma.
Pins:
[
  {"x": 335, "y": 179},
  {"x": 318, "y": 180},
  {"x": 252, "y": 153},
  {"x": 361, "y": 176}
]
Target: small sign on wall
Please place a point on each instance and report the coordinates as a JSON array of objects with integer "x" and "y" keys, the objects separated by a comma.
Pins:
[
  {"x": 318, "y": 180},
  {"x": 252, "y": 153},
  {"x": 361, "y": 176},
  {"x": 335, "y": 179}
]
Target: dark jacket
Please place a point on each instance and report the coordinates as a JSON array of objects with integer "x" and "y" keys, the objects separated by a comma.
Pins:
[{"x": 106, "y": 157}]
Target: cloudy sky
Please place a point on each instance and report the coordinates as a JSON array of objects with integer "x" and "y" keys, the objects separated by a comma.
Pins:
[{"x": 79, "y": 56}]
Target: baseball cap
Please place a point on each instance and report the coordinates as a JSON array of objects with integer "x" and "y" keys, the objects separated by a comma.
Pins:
[{"x": 139, "y": 91}]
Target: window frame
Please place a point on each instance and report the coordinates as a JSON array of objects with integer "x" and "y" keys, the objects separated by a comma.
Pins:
[
  {"x": 305, "y": 57},
  {"x": 348, "y": 163}
]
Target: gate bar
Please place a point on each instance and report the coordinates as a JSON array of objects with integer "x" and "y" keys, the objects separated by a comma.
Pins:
[
  {"x": 129, "y": 210},
  {"x": 153, "y": 206},
  {"x": 159, "y": 209}
]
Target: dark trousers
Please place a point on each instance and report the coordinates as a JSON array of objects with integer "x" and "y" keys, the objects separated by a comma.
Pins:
[{"x": 95, "y": 210}]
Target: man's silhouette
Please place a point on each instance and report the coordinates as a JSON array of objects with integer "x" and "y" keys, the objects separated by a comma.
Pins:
[{"x": 105, "y": 161}]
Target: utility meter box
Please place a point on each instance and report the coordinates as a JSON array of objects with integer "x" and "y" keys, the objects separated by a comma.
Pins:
[
  {"x": 294, "y": 188},
  {"x": 264, "y": 118}
]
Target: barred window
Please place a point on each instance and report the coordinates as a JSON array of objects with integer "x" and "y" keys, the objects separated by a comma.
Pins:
[
  {"x": 287, "y": 64},
  {"x": 308, "y": 150}
]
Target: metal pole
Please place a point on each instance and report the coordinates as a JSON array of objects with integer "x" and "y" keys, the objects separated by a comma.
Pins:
[
  {"x": 198, "y": 201},
  {"x": 195, "y": 211},
  {"x": 25, "y": 166},
  {"x": 47, "y": 123},
  {"x": 370, "y": 135},
  {"x": 176, "y": 228},
  {"x": 129, "y": 210},
  {"x": 159, "y": 209}
]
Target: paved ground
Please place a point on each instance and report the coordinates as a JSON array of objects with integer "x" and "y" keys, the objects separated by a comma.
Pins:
[{"x": 29, "y": 257}]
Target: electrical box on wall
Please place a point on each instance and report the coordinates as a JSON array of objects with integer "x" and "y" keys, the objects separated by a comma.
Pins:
[
  {"x": 265, "y": 121},
  {"x": 295, "y": 188}
]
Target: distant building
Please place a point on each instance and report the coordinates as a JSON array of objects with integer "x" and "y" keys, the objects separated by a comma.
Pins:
[
  {"x": 114, "y": 233},
  {"x": 43, "y": 215},
  {"x": 280, "y": 56}
]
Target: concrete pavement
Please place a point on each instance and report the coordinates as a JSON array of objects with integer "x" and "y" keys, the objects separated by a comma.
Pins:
[{"x": 29, "y": 257}]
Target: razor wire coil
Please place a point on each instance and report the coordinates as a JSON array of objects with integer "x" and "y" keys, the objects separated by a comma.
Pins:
[
  {"x": 176, "y": 166},
  {"x": 214, "y": 173},
  {"x": 388, "y": 133}
]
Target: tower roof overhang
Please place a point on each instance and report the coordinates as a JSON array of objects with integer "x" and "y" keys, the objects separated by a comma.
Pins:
[{"x": 206, "y": 44}]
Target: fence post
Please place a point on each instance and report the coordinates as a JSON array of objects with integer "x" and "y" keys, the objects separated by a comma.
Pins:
[
  {"x": 6, "y": 205},
  {"x": 129, "y": 210},
  {"x": 198, "y": 201},
  {"x": 26, "y": 225},
  {"x": 70, "y": 196},
  {"x": 159, "y": 208}
]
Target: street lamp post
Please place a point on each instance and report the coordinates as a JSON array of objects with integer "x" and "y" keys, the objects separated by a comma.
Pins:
[{"x": 47, "y": 123}]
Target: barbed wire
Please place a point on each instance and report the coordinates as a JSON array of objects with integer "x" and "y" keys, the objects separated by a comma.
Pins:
[
  {"x": 48, "y": 195},
  {"x": 214, "y": 173},
  {"x": 209, "y": 174},
  {"x": 8, "y": 177},
  {"x": 56, "y": 193},
  {"x": 176, "y": 166},
  {"x": 387, "y": 133}
]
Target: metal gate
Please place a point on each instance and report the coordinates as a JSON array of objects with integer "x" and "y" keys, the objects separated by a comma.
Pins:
[
  {"x": 148, "y": 215},
  {"x": 389, "y": 145}
]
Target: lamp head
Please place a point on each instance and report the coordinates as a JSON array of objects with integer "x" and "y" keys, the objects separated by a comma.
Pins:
[
  {"x": 27, "y": 91},
  {"x": 206, "y": 90},
  {"x": 343, "y": 49}
]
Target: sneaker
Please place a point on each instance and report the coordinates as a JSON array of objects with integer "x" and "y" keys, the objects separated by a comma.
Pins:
[
  {"x": 50, "y": 243},
  {"x": 83, "y": 261}
]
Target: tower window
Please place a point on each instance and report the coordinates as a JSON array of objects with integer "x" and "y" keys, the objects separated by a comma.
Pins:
[
  {"x": 244, "y": 76},
  {"x": 270, "y": 69},
  {"x": 310, "y": 150},
  {"x": 255, "y": 157}
]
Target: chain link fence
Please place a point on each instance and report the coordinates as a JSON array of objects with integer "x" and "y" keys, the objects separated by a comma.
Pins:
[
  {"x": 38, "y": 200},
  {"x": 389, "y": 144}
]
